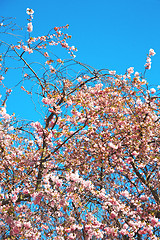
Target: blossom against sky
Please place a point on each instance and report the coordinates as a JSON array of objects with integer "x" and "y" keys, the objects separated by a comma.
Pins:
[{"x": 108, "y": 34}]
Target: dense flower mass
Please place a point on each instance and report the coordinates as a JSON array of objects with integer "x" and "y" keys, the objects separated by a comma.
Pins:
[{"x": 89, "y": 166}]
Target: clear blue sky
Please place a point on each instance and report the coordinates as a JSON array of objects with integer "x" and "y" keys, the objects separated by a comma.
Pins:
[{"x": 114, "y": 34}]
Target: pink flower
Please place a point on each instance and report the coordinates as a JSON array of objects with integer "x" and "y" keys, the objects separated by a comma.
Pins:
[
  {"x": 25, "y": 48},
  {"x": 148, "y": 59},
  {"x": 129, "y": 159},
  {"x": 30, "y": 50},
  {"x": 46, "y": 54},
  {"x": 9, "y": 90},
  {"x": 148, "y": 63},
  {"x": 71, "y": 236},
  {"x": 59, "y": 60},
  {"x": 86, "y": 77},
  {"x": 113, "y": 215},
  {"x": 130, "y": 70},
  {"x": 46, "y": 101},
  {"x": 42, "y": 38},
  {"x": 154, "y": 220},
  {"x": 144, "y": 197},
  {"x": 152, "y": 90},
  {"x": 29, "y": 27},
  {"x": 147, "y": 66},
  {"x": 18, "y": 46},
  {"x": 110, "y": 144},
  {"x": 134, "y": 153},
  {"x": 112, "y": 72},
  {"x": 27, "y": 225},
  {"x": 136, "y": 74},
  {"x": 125, "y": 194},
  {"x": 1, "y": 77},
  {"x": 151, "y": 52},
  {"x": 29, "y": 11},
  {"x": 52, "y": 69},
  {"x": 4, "y": 114},
  {"x": 14, "y": 198},
  {"x": 139, "y": 102},
  {"x": 65, "y": 45},
  {"x": 36, "y": 125},
  {"x": 123, "y": 231},
  {"x": 73, "y": 48}
]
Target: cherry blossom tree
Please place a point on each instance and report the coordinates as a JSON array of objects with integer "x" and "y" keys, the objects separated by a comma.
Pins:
[{"x": 88, "y": 168}]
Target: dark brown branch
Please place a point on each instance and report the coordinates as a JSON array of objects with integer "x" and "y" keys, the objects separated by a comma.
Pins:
[{"x": 153, "y": 191}]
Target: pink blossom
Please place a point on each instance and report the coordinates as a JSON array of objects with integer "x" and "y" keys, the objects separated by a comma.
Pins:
[
  {"x": 52, "y": 69},
  {"x": 30, "y": 50},
  {"x": 151, "y": 52},
  {"x": 135, "y": 153},
  {"x": 112, "y": 72},
  {"x": 136, "y": 74},
  {"x": 29, "y": 11},
  {"x": 25, "y": 191},
  {"x": 144, "y": 197},
  {"x": 4, "y": 114},
  {"x": 59, "y": 60},
  {"x": 42, "y": 38},
  {"x": 18, "y": 46},
  {"x": 147, "y": 66},
  {"x": 125, "y": 226},
  {"x": 139, "y": 102},
  {"x": 129, "y": 159},
  {"x": 15, "y": 230},
  {"x": 29, "y": 27},
  {"x": 113, "y": 214},
  {"x": 74, "y": 176},
  {"x": 125, "y": 194},
  {"x": 152, "y": 90},
  {"x": 130, "y": 70},
  {"x": 148, "y": 59},
  {"x": 37, "y": 198},
  {"x": 144, "y": 81},
  {"x": 52, "y": 43},
  {"x": 46, "y": 101},
  {"x": 148, "y": 63},
  {"x": 1, "y": 78},
  {"x": 36, "y": 125},
  {"x": 154, "y": 220},
  {"x": 123, "y": 231},
  {"x": 72, "y": 236},
  {"x": 73, "y": 48},
  {"x": 27, "y": 49},
  {"x": 46, "y": 54},
  {"x": 17, "y": 227},
  {"x": 110, "y": 144},
  {"x": 14, "y": 198},
  {"x": 64, "y": 44},
  {"x": 86, "y": 77}
]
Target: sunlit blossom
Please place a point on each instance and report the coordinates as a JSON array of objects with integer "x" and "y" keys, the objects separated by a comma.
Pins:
[
  {"x": 29, "y": 27},
  {"x": 29, "y": 11},
  {"x": 151, "y": 52},
  {"x": 153, "y": 90}
]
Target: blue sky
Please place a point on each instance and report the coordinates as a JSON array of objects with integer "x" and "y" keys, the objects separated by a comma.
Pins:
[{"x": 113, "y": 34}]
